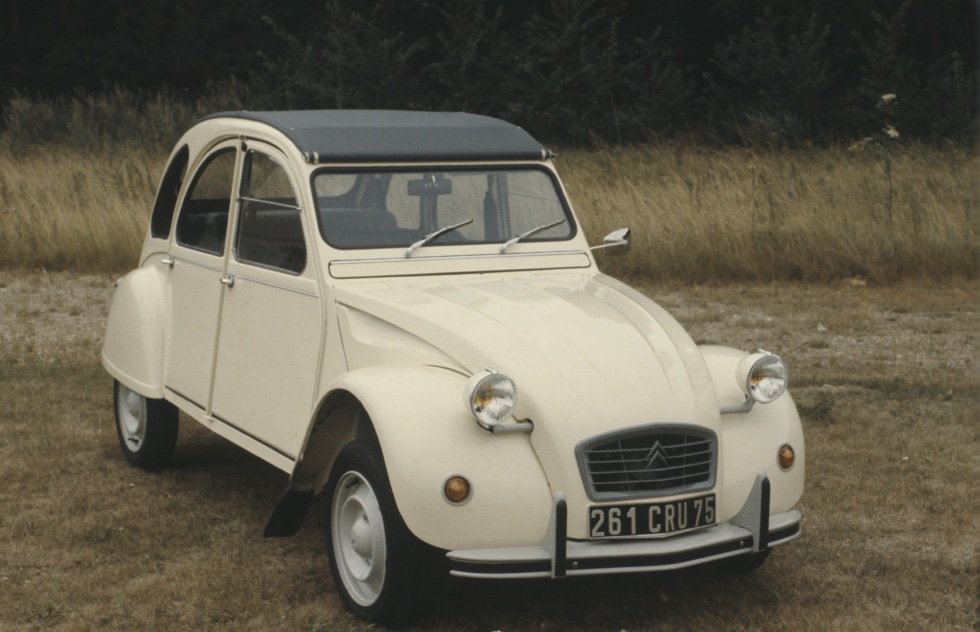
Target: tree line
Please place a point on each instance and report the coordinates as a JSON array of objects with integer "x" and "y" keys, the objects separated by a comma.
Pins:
[{"x": 779, "y": 72}]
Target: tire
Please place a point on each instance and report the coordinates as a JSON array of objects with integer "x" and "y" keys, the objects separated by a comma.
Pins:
[
  {"x": 147, "y": 428},
  {"x": 375, "y": 561},
  {"x": 743, "y": 564}
]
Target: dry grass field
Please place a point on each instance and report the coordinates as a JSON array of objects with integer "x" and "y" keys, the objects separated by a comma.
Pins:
[
  {"x": 886, "y": 378},
  {"x": 858, "y": 265},
  {"x": 699, "y": 215}
]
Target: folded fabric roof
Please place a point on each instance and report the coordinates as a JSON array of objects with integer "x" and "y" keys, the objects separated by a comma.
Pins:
[{"x": 328, "y": 136}]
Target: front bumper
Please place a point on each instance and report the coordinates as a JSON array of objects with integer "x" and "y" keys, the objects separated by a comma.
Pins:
[{"x": 751, "y": 530}]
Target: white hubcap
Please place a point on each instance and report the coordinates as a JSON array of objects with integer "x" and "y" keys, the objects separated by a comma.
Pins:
[
  {"x": 132, "y": 417},
  {"x": 358, "y": 538}
]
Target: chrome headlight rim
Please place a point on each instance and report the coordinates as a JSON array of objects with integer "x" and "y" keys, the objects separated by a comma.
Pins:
[
  {"x": 491, "y": 398},
  {"x": 766, "y": 377}
]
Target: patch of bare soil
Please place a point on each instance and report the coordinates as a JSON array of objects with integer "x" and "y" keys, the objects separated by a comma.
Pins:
[
  {"x": 842, "y": 334},
  {"x": 56, "y": 317},
  {"x": 52, "y": 318}
]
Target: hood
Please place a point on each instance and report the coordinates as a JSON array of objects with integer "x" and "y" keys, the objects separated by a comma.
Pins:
[{"x": 587, "y": 353}]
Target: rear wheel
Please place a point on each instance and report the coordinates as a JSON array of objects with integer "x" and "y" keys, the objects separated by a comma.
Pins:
[
  {"x": 147, "y": 428},
  {"x": 373, "y": 556}
]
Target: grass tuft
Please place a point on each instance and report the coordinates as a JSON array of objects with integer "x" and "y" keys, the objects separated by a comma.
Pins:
[{"x": 819, "y": 407}]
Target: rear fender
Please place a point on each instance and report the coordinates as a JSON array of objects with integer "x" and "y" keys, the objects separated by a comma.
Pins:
[{"x": 136, "y": 331}]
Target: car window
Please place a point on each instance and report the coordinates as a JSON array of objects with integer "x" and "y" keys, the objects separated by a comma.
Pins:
[
  {"x": 166, "y": 200},
  {"x": 203, "y": 220},
  {"x": 395, "y": 208},
  {"x": 270, "y": 231}
]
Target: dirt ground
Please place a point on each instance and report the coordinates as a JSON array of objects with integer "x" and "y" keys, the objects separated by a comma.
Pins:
[
  {"x": 886, "y": 380},
  {"x": 58, "y": 317}
]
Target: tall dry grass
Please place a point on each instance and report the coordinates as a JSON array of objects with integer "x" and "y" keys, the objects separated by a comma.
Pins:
[
  {"x": 698, "y": 215},
  {"x": 65, "y": 210},
  {"x": 78, "y": 174},
  {"x": 702, "y": 215}
]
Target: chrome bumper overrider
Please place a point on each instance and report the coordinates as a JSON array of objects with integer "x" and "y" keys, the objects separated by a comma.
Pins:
[{"x": 751, "y": 530}]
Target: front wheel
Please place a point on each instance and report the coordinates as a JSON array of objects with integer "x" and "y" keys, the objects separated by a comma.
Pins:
[
  {"x": 743, "y": 564},
  {"x": 147, "y": 428},
  {"x": 373, "y": 556}
]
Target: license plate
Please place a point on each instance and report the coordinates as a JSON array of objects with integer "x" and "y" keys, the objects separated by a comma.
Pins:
[{"x": 652, "y": 519}]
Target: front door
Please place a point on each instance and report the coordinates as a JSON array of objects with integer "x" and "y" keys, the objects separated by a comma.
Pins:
[{"x": 271, "y": 325}]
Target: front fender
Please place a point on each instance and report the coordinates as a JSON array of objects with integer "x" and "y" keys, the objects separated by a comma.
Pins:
[
  {"x": 135, "y": 332},
  {"x": 426, "y": 436},
  {"x": 751, "y": 440}
]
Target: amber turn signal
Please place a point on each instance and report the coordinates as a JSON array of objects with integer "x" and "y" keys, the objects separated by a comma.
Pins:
[
  {"x": 456, "y": 490},
  {"x": 787, "y": 457}
]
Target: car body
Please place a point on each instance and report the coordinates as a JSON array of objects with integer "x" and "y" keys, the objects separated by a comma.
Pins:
[{"x": 400, "y": 310}]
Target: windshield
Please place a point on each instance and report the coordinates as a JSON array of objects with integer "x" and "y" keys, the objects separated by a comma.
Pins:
[{"x": 385, "y": 209}]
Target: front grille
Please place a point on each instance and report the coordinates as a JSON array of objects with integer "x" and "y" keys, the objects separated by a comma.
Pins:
[{"x": 649, "y": 461}]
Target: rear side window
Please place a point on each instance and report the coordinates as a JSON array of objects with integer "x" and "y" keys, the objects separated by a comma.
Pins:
[
  {"x": 203, "y": 220},
  {"x": 270, "y": 231},
  {"x": 166, "y": 200}
]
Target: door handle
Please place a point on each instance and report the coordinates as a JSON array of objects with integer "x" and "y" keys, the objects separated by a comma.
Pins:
[
  {"x": 228, "y": 279},
  {"x": 168, "y": 261}
]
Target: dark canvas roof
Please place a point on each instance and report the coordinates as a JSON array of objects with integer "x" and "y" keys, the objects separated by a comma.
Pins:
[{"x": 326, "y": 136}]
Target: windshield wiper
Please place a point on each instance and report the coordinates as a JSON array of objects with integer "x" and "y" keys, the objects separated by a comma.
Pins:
[
  {"x": 513, "y": 240},
  {"x": 439, "y": 233}
]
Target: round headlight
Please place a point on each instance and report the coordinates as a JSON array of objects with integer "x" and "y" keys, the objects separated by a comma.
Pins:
[
  {"x": 767, "y": 377},
  {"x": 491, "y": 398}
]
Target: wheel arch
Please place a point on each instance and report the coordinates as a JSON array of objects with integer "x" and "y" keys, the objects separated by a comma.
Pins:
[
  {"x": 416, "y": 416},
  {"x": 340, "y": 419}
]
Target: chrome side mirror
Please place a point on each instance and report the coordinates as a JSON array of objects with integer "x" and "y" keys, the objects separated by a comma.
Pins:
[{"x": 616, "y": 242}]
